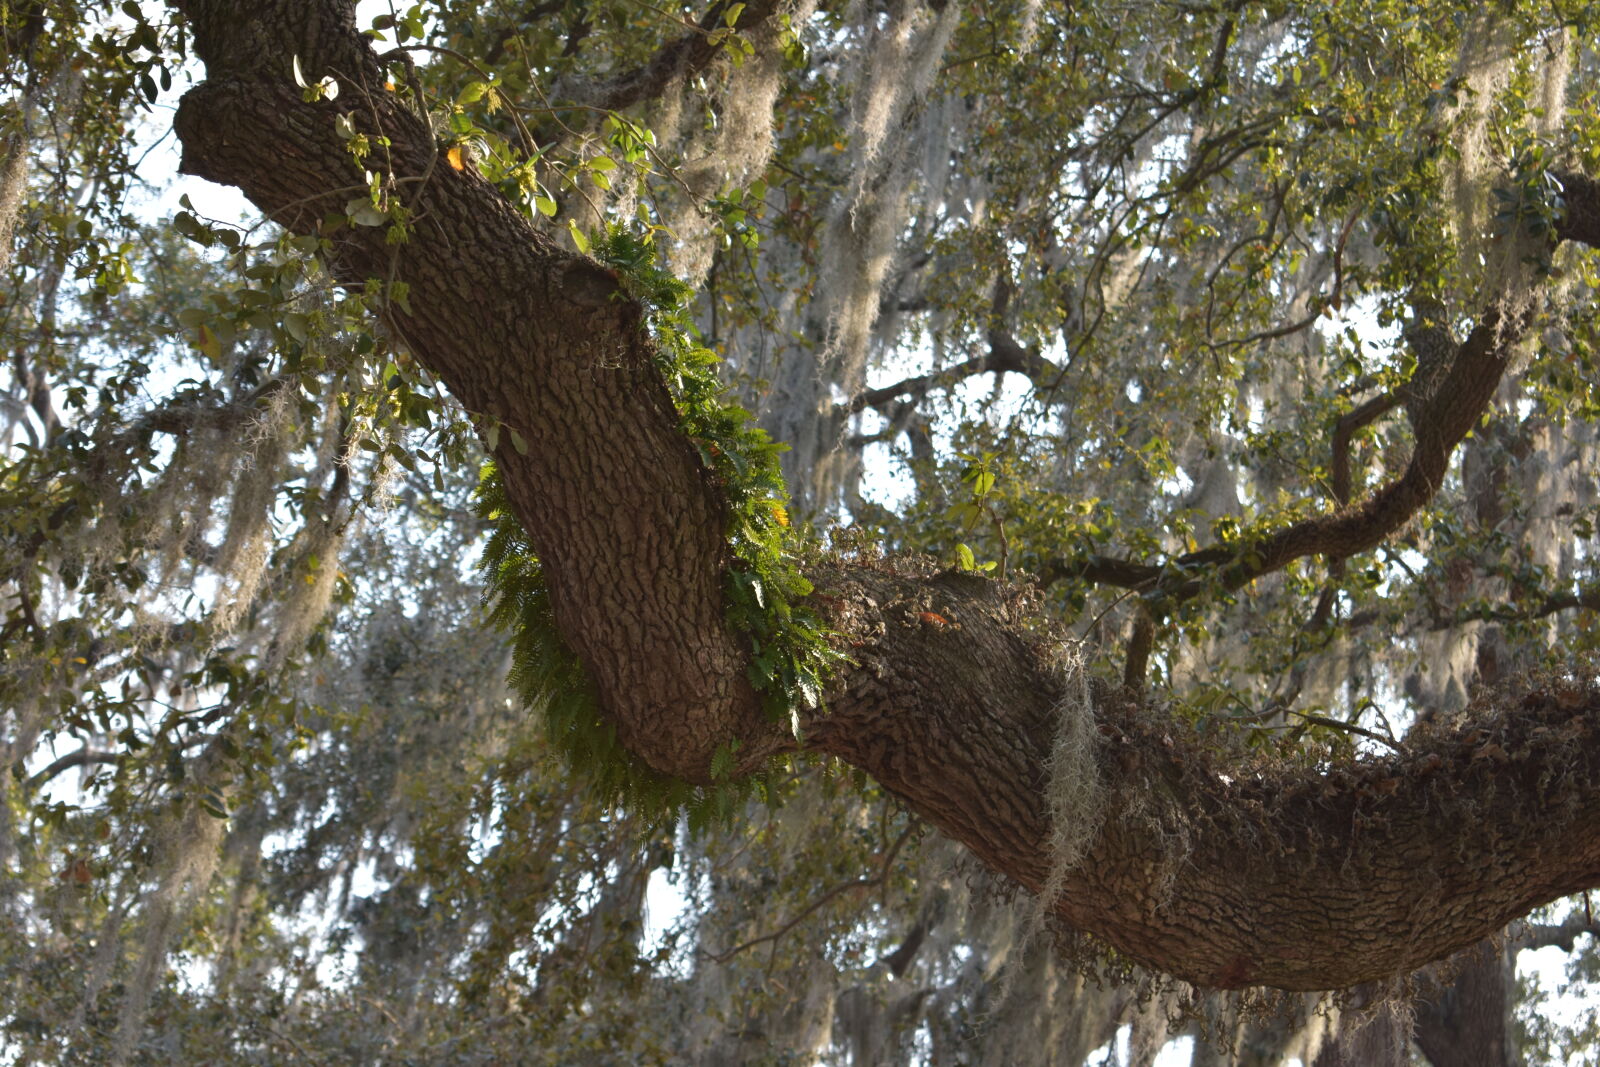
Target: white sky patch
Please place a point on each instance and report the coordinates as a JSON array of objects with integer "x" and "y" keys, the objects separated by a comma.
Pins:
[
  {"x": 1119, "y": 1051},
  {"x": 666, "y": 908}
]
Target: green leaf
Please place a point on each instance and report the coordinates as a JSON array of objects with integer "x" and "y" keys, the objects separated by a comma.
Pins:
[
  {"x": 363, "y": 212},
  {"x": 297, "y": 326},
  {"x": 213, "y": 805},
  {"x": 579, "y": 238},
  {"x": 965, "y": 559}
]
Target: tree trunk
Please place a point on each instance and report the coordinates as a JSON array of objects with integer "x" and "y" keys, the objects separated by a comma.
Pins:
[{"x": 1463, "y": 1024}]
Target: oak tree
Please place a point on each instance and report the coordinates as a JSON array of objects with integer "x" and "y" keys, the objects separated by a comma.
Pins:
[{"x": 1152, "y": 448}]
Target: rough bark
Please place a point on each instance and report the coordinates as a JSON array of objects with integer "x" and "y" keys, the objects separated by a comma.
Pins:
[
  {"x": 625, "y": 518},
  {"x": 1463, "y": 1024},
  {"x": 1294, "y": 877}
]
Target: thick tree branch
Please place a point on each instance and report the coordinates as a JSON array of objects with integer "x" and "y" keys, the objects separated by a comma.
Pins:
[
  {"x": 1291, "y": 877},
  {"x": 1288, "y": 876},
  {"x": 626, "y": 519}
]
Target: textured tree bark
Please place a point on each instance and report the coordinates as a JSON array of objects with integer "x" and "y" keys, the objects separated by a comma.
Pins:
[
  {"x": 1224, "y": 875},
  {"x": 625, "y": 518},
  {"x": 1463, "y": 1024}
]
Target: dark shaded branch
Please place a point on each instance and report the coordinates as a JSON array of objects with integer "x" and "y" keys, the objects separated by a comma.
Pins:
[
  {"x": 900, "y": 959},
  {"x": 1579, "y": 217},
  {"x": 1560, "y": 935},
  {"x": 1140, "y": 642},
  {"x": 1101, "y": 570},
  {"x": 1346, "y": 428},
  {"x": 1005, "y": 354}
]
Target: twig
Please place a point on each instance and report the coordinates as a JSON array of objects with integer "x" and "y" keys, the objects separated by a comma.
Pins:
[
  {"x": 810, "y": 909},
  {"x": 1335, "y": 724},
  {"x": 527, "y": 138}
]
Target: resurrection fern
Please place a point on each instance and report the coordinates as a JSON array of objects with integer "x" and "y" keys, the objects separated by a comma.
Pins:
[
  {"x": 546, "y": 673},
  {"x": 789, "y": 649}
]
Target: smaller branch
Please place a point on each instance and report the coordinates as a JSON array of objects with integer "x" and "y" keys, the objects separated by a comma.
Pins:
[
  {"x": 528, "y": 143},
  {"x": 1560, "y": 935},
  {"x": 1000, "y": 532},
  {"x": 1336, "y": 300},
  {"x": 810, "y": 909},
  {"x": 1005, "y": 354},
  {"x": 1335, "y": 724},
  {"x": 1345, "y": 429},
  {"x": 83, "y": 757},
  {"x": 1587, "y": 597}
]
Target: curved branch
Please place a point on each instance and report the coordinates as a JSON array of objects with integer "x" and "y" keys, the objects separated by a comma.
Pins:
[
  {"x": 1222, "y": 874},
  {"x": 1005, "y": 354},
  {"x": 83, "y": 757},
  {"x": 1442, "y": 421},
  {"x": 1227, "y": 876},
  {"x": 623, "y": 514},
  {"x": 1346, "y": 428}
]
